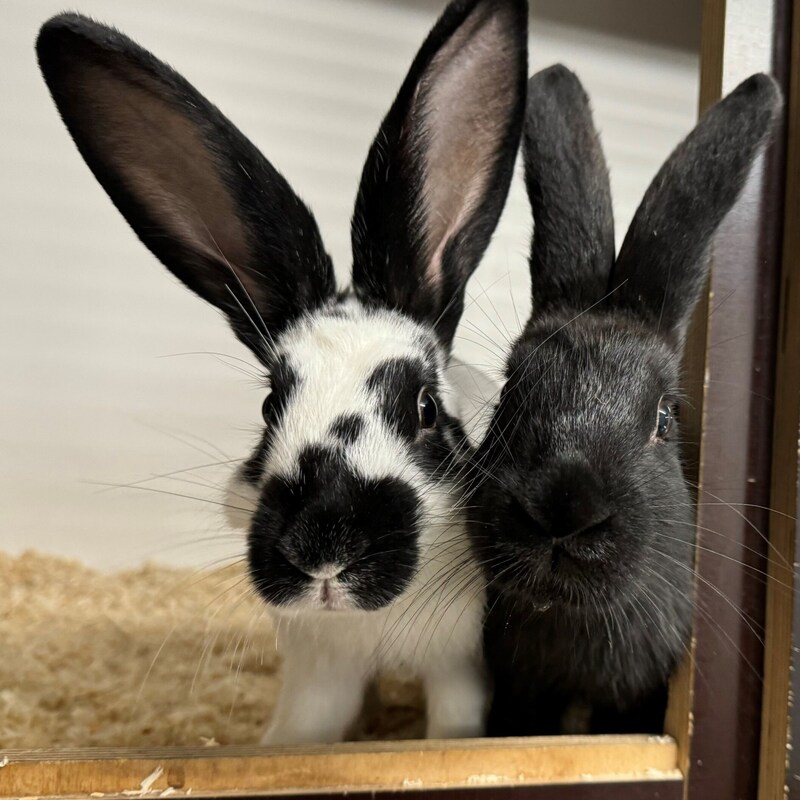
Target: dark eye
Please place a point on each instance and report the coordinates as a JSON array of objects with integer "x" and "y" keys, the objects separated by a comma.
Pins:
[
  {"x": 427, "y": 408},
  {"x": 266, "y": 407},
  {"x": 666, "y": 418}
]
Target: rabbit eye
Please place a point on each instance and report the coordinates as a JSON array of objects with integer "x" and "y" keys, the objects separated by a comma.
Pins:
[
  {"x": 266, "y": 407},
  {"x": 666, "y": 418},
  {"x": 427, "y": 408}
]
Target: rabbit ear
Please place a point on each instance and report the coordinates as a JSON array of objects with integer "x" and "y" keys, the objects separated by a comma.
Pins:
[
  {"x": 663, "y": 264},
  {"x": 567, "y": 180},
  {"x": 192, "y": 187},
  {"x": 438, "y": 172}
]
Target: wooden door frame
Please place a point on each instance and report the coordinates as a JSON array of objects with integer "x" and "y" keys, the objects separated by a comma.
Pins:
[
  {"x": 780, "y": 725},
  {"x": 733, "y": 354}
]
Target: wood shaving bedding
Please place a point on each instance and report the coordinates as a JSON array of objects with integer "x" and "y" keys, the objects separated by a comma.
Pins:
[{"x": 147, "y": 657}]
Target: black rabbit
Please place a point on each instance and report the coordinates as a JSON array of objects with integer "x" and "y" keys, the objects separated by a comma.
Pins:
[{"x": 585, "y": 521}]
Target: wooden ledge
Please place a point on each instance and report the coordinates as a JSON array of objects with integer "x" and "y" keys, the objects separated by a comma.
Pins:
[{"x": 352, "y": 767}]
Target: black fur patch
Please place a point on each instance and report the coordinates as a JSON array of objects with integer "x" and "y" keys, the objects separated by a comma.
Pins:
[
  {"x": 443, "y": 451},
  {"x": 263, "y": 263},
  {"x": 439, "y": 451},
  {"x": 390, "y": 252},
  {"x": 283, "y": 380},
  {"x": 253, "y": 469},
  {"x": 328, "y": 515},
  {"x": 397, "y": 383},
  {"x": 347, "y": 428}
]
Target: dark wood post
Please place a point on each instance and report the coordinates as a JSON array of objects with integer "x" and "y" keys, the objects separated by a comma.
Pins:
[{"x": 735, "y": 338}]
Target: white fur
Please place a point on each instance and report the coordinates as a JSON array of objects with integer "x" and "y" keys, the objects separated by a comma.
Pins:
[
  {"x": 330, "y": 648},
  {"x": 334, "y": 357}
]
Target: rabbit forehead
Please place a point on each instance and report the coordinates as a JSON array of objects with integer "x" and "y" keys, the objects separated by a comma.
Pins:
[
  {"x": 342, "y": 344},
  {"x": 337, "y": 401},
  {"x": 595, "y": 375}
]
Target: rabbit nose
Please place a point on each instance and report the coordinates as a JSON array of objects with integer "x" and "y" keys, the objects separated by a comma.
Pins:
[
  {"x": 574, "y": 501},
  {"x": 324, "y": 571},
  {"x": 321, "y": 546},
  {"x": 570, "y": 501},
  {"x": 313, "y": 566}
]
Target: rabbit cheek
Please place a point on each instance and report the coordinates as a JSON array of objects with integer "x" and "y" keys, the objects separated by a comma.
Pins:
[
  {"x": 273, "y": 575},
  {"x": 386, "y": 512}
]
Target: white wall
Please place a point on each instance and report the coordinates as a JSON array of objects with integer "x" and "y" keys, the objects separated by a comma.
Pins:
[{"x": 90, "y": 387}]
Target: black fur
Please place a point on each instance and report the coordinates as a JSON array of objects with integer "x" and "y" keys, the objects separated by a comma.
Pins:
[
  {"x": 257, "y": 253},
  {"x": 443, "y": 451},
  {"x": 396, "y": 383},
  {"x": 252, "y": 470},
  {"x": 573, "y": 244},
  {"x": 328, "y": 515},
  {"x": 663, "y": 262},
  {"x": 439, "y": 451},
  {"x": 284, "y": 381},
  {"x": 585, "y": 524},
  {"x": 390, "y": 258},
  {"x": 348, "y": 428}
]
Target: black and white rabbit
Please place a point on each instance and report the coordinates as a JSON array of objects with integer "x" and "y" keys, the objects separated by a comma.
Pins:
[
  {"x": 356, "y": 539},
  {"x": 585, "y": 522}
]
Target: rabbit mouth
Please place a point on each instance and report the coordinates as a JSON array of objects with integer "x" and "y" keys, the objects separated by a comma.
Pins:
[
  {"x": 362, "y": 587},
  {"x": 331, "y": 596},
  {"x": 561, "y": 573},
  {"x": 327, "y": 595},
  {"x": 587, "y": 547}
]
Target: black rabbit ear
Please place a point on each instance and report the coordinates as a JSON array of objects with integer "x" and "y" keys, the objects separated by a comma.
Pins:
[
  {"x": 663, "y": 264},
  {"x": 572, "y": 251},
  {"x": 193, "y": 188},
  {"x": 437, "y": 175}
]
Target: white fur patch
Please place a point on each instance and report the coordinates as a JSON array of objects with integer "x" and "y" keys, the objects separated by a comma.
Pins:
[{"x": 334, "y": 357}]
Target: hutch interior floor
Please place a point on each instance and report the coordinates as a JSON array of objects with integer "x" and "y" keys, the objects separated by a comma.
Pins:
[{"x": 150, "y": 656}]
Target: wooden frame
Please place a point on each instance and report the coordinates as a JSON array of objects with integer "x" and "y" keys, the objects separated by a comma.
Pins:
[
  {"x": 737, "y": 360},
  {"x": 379, "y": 766},
  {"x": 780, "y": 723}
]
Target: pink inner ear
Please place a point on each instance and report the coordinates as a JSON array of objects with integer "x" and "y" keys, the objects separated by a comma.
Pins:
[
  {"x": 463, "y": 108},
  {"x": 166, "y": 165}
]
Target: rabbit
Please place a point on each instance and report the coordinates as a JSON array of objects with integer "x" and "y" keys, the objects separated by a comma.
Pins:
[
  {"x": 356, "y": 537},
  {"x": 584, "y": 521}
]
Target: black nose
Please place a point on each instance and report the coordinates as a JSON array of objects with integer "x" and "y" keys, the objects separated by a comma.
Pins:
[
  {"x": 319, "y": 540},
  {"x": 566, "y": 500}
]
